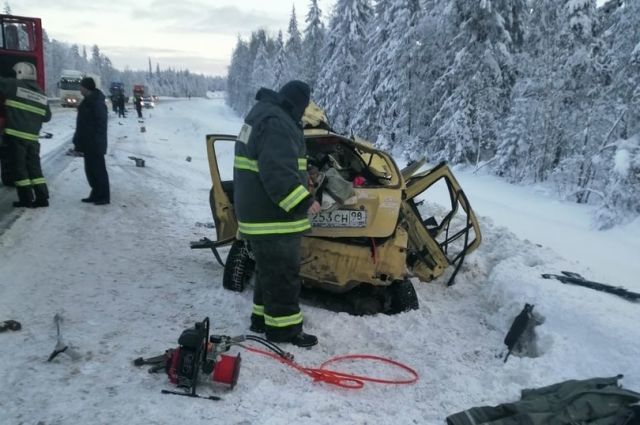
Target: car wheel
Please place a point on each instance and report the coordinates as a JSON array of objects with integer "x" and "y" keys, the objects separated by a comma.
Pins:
[
  {"x": 366, "y": 306},
  {"x": 403, "y": 297},
  {"x": 364, "y": 300},
  {"x": 238, "y": 268}
]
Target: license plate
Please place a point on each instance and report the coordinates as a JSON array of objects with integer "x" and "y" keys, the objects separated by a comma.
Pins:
[{"x": 340, "y": 218}]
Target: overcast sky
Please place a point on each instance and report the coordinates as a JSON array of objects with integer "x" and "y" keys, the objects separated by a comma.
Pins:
[{"x": 198, "y": 35}]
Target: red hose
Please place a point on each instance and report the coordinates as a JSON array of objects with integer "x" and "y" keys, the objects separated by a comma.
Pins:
[
  {"x": 374, "y": 251},
  {"x": 341, "y": 379}
]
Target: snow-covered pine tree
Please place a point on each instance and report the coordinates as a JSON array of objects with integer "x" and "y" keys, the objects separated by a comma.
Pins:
[
  {"x": 344, "y": 51},
  {"x": 584, "y": 110},
  {"x": 74, "y": 60},
  {"x": 312, "y": 43},
  {"x": 478, "y": 84},
  {"x": 436, "y": 32},
  {"x": 238, "y": 75},
  {"x": 258, "y": 38},
  {"x": 400, "y": 86},
  {"x": 280, "y": 62},
  {"x": 531, "y": 138},
  {"x": 263, "y": 70},
  {"x": 621, "y": 145},
  {"x": 293, "y": 49},
  {"x": 368, "y": 122}
]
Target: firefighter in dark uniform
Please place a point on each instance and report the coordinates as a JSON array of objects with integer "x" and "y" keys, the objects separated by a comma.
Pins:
[
  {"x": 26, "y": 109},
  {"x": 272, "y": 204}
]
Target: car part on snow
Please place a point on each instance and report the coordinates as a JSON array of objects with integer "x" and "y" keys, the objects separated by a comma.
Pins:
[
  {"x": 10, "y": 325},
  {"x": 206, "y": 243},
  {"x": 61, "y": 347},
  {"x": 139, "y": 161},
  {"x": 577, "y": 279},
  {"x": 46, "y": 135},
  {"x": 518, "y": 327}
]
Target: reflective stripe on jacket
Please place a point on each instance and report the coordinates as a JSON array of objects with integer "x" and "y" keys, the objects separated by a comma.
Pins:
[{"x": 26, "y": 108}]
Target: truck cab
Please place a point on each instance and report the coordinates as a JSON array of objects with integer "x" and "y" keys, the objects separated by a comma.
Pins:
[{"x": 69, "y": 86}]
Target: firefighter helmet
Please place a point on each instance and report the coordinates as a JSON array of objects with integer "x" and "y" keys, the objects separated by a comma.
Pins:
[{"x": 25, "y": 71}]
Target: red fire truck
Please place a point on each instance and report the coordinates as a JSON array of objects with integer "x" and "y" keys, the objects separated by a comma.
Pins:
[{"x": 20, "y": 41}]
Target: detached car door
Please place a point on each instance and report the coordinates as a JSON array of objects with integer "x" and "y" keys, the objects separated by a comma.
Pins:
[
  {"x": 220, "y": 153},
  {"x": 443, "y": 227}
]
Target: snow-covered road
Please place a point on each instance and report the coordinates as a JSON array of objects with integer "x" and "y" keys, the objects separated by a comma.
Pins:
[{"x": 126, "y": 283}]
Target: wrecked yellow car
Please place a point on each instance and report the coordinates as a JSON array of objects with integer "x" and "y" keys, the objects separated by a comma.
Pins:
[{"x": 377, "y": 228}]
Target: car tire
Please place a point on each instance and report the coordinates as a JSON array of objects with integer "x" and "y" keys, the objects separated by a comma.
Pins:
[
  {"x": 367, "y": 305},
  {"x": 239, "y": 267},
  {"x": 403, "y": 297}
]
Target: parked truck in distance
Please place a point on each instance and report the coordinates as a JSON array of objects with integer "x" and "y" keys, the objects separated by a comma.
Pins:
[
  {"x": 116, "y": 89},
  {"x": 144, "y": 94},
  {"x": 69, "y": 86},
  {"x": 140, "y": 90}
]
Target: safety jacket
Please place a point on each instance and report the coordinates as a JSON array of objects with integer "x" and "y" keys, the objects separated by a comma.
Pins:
[
  {"x": 26, "y": 108},
  {"x": 270, "y": 172}
]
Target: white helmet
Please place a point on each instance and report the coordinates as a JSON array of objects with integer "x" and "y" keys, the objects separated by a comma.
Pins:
[{"x": 25, "y": 71}]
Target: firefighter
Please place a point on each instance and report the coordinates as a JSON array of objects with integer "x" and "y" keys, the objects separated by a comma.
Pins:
[
  {"x": 121, "y": 110},
  {"x": 272, "y": 205},
  {"x": 26, "y": 108}
]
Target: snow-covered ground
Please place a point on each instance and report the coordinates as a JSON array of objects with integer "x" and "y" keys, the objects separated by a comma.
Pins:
[{"x": 126, "y": 283}]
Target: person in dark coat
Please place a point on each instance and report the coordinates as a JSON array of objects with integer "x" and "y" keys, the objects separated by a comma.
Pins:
[
  {"x": 27, "y": 108},
  {"x": 272, "y": 204},
  {"x": 120, "y": 99},
  {"x": 90, "y": 138},
  {"x": 138, "y": 103}
]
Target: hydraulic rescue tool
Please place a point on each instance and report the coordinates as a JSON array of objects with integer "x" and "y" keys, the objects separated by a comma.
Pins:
[{"x": 198, "y": 352}]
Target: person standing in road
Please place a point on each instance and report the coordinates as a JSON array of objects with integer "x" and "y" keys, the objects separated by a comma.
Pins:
[
  {"x": 26, "y": 109},
  {"x": 272, "y": 205},
  {"x": 90, "y": 138},
  {"x": 121, "y": 110},
  {"x": 138, "y": 103}
]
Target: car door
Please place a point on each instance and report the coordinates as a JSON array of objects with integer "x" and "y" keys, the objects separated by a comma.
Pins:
[
  {"x": 443, "y": 227},
  {"x": 220, "y": 153}
]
